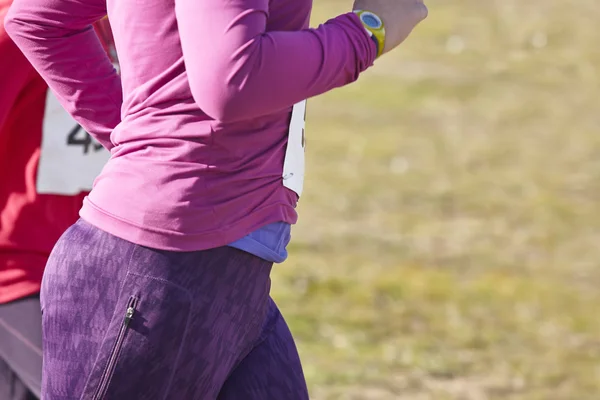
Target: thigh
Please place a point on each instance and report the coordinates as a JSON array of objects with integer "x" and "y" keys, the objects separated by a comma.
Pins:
[
  {"x": 126, "y": 322},
  {"x": 80, "y": 290},
  {"x": 228, "y": 298},
  {"x": 272, "y": 370},
  {"x": 21, "y": 342}
]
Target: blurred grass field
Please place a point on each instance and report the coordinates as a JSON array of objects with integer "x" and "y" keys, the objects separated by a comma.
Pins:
[{"x": 449, "y": 237}]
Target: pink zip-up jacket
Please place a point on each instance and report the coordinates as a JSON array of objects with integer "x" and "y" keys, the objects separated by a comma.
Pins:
[{"x": 205, "y": 123}]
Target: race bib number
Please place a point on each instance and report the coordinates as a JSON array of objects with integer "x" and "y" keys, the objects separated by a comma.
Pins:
[
  {"x": 293, "y": 165},
  {"x": 70, "y": 158}
]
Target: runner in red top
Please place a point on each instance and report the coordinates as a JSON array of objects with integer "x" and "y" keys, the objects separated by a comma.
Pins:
[{"x": 36, "y": 205}]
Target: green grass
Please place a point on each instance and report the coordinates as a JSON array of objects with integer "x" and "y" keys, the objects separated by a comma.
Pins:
[{"x": 449, "y": 237}]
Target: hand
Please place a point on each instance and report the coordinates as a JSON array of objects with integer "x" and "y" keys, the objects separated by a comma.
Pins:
[{"x": 399, "y": 17}]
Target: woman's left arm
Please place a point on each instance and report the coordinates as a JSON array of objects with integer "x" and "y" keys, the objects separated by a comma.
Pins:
[{"x": 57, "y": 38}]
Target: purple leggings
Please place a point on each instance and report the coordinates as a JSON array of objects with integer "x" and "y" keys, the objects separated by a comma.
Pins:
[{"x": 122, "y": 321}]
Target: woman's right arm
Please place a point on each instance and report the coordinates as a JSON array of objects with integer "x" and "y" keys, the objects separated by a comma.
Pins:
[{"x": 238, "y": 71}]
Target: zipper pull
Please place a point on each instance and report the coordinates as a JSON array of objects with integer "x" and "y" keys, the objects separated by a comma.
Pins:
[
  {"x": 130, "y": 311},
  {"x": 129, "y": 315}
]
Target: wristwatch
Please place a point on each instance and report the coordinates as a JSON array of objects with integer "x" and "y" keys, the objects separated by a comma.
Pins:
[{"x": 374, "y": 27}]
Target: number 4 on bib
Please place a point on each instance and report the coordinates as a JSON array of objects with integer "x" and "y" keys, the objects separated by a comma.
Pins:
[
  {"x": 293, "y": 164},
  {"x": 70, "y": 159}
]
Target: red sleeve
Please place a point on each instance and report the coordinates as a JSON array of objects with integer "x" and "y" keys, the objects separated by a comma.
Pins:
[{"x": 15, "y": 70}]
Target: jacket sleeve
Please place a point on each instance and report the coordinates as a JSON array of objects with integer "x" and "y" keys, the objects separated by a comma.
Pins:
[
  {"x": 57, "y": 38},
  {"x": 237, "y": 70}
]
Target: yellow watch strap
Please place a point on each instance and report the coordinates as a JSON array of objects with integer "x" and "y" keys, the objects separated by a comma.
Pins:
[{"x": 374, "y": 26}]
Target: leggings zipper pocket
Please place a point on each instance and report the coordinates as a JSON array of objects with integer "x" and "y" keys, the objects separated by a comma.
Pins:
[{"x": 116, "y": 350}]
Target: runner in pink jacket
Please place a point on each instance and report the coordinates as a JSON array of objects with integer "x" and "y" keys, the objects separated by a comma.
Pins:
[{"x": 161, "y": 290}]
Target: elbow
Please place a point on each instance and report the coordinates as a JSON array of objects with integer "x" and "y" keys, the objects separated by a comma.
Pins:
[
  {"x": 26, "y": 20},
  {"x": 223, "y": 102},
  {"x": 228, "y": 110},
  {"x": 228, "y": 89},
  {"x": 12, "y": 23},
  {"x": 21, "y": 23}
]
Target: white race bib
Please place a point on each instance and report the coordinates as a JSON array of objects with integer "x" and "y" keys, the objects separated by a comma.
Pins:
[
  {"x": 293, "y": 164},
  {"x": 70, "y": 158}
]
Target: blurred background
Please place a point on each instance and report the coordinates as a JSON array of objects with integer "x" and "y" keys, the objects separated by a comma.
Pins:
[{"x": 449, "y": 237}]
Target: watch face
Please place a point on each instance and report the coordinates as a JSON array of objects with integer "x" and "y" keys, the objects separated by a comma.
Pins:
[{"x": 371, "y": 20}]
